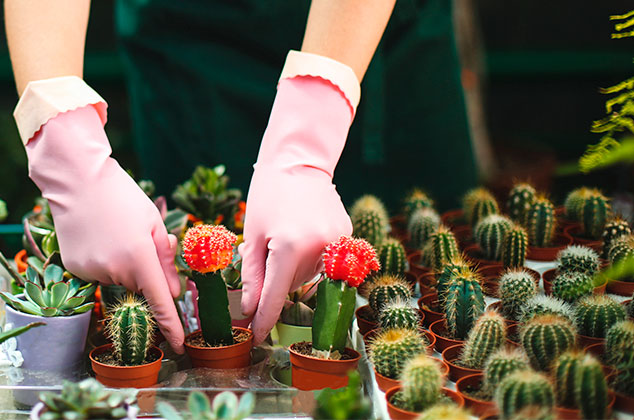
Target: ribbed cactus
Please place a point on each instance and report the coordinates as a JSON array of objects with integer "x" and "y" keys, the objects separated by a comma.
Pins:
[
  {"x": 399, "y": 314},
  {"x": 574, "y": 203},
  {"x": 463, "y": 303},
  {"x": 516, "y": 286},
  {"x": 489, "y": 234},
  {"x": 514, "y": 247},
  {"x": 544, "y": 338},
  {"x": 442, "y": 247},
  {"x": 580, "y": 383},
  {"x": 392, "y": 348},
  {"x": 372, "y": 204},
  {"x": 130, "y": 327},
  {"x": 416, "y": 200},
  {"x": 386, "y": 288},
  {"x": 572, "y": 286},
  {"x": 421, "y": 224},
  {"x": 521, "y": 389},
  {"x": 540, "y": 222},
  {"x": 444, "y": 411},
  {"x": 534, "y": 412},
  {"x": 370, "y": 226},
  {"x": 595, "y": 314},
  {"x": 422, "y": 382},
  {"x": 453, "y": 268},
  {"x": 618, "y": 342},
  {"x": 594, "y": 214},
  {"x": 613, "y": 230},
  {"x": 544, "y": 305},
  {"x": 621, "y": 249},
  {"x": 520, "y": 200},
  {"x": 502, "y": 363},
  {"x": 477, "y": 204},
  {"x": 486, "y": 336},
  {"x": 392, "y": 257},
  {"x": 578, "y": 258}
]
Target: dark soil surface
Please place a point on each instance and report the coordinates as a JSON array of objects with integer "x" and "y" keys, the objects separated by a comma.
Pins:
[
  {"x": 305, "y": 348},
  {"x": 108, "y": 358},
  {"x": 239, "y": 336}
]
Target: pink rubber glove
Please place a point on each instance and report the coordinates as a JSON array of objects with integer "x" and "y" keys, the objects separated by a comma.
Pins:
[
  {"x": 293, "y": 209},
  {"x": 108, "y": 230}
]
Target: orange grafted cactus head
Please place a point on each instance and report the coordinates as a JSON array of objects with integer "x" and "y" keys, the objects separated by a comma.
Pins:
[
  {"x": 208, "y": 248},
  {"x": 350, "y": 260}
]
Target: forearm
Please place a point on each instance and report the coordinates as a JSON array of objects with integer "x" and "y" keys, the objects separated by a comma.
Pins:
[
  {"x": 347, "y": 30},
  {"x": 46, "y": 38}
]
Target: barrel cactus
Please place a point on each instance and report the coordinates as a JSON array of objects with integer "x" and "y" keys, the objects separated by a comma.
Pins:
[
  {"x": 595, "y": 314},
  {"x": 417, "y": 200},
  {"x": 572, "y": 286},
  {"x": 422, "y": 383},
  {"x": 392, "y": 257},
  {"x": 442, "y": 247},
  {"x": 594, "y": 213},
  {"x": 387, "y": 287},
  {"x": 515, "y": 288},
  {"x": 521, "y": 389},
  {"x": 421, "y": 224},
  {"x": 489, "y": 234},
  {"x": 369, "y": 204},
  {"x": 613, "y": 230},
  {"x": 578, "y": 258},
  {"x": 574, "y": 203},
  {"x": 621, "y": 249},
  {"x": 444, "y": 411},
  {"x": 463, "y": 303},
  {"x": 520, "y": 200},
  {"x": 514, "y": 247},
  {"x": 541, "y": 222},
  {"x": 618, "y": 343},
  {"x": 452, "y": 269},
  {"x": 477, "y": 204},
  {"x": 370, "y": 226},
  {"x": 502, "y": 363},
  {"x": 486, "y": 336},
  {"x": 393, "y": 347},
  {"x": 543, "y": 305},
  {"x": 544, "y": 338},
  {"x": 399, "y": 314}
]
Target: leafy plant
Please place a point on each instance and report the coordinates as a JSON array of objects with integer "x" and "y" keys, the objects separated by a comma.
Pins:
[
  {"x": 225, "y": 406},
  {"x": 346, "y": 403}
]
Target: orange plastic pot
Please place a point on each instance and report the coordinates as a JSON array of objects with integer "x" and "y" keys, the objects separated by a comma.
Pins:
[
  {"x": 310, "y": 373},
  {"x": 226, "y": 357},
  {"x": 549, "y": 276},
  {"x": 365, "y": 325},
  {"x": 20, "y": 261},
  {"x": 621, "y": 288},
  {"x": 575, "y": 231},
  {"x": 564, "y": 413},
  {"x": 450, "y": 355},
  {"x": 396, "y": 413},
  {"x": 560, "y": 242},
  {"x": 439, "y": 329},
  {"x": 141, "y": 376},
  {"x": 477, "y": 407},
  {"x": 426, "y": 302}
]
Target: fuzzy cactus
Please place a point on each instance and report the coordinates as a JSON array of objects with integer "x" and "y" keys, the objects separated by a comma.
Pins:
[
  {"x": 130, "y": 327},
  {"x": 521, "y": 389},
  {"x": 618, "y": 343},
  {"x": 572, "y": 286},
  {"x": 442, "y": 247},
  {"x": 369, "y": 225},
  {"x": 613, "y": 230},
  {"x": 422, "y": 382},
  {"x": 521, "y": 197},
  {"x": 543, "y": 305},
  {"x": 385, "y": 288},
  {"x": 392, "y": 348},
  {"x": 421, "y": 224},
  {"x": 452, "y": 269},
  {"x": 463, "y": 303},
  {"x": 580, "y": 382},
  {"x": 516, "y": 286},
  {"x": 541, "y": 222},
  {"x": 392, "y": 257},
  {"x": 574, "y": 203},
  {"x": 486, "y": 336},
  {"x": 514, "y": 247},
  {"x": 477, "y": 204},
  {"x": 416, "y": 200},
  {"x": 544, "y": 338},
  {"x": 444, "y": 411},
  {"x": 489, "y": 234},
  {"x": 399, "y": 314},
  {"x": 621, "y": 249},
  {"x": 502, "y": 363},
  {"x": 595, "y": 314},
  {"x": 594, "y": 213},
  {"x": 578, "y": 258}
]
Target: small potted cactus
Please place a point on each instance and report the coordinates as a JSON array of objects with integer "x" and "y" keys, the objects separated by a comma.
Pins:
[
  {"x": 543, "y": 239},
  {"x": 545, "y": 337},
  {"x": 514, "y": 247},
  {"x": 383, "y": 289},
  {"x": 614, "y": 229},
  {"x": 296, "y": 319},
  {"x": 130, "y": 360},
  {"x": 477, "y": 204},
  {"x": 593, "y": 211},
  {"x": 421, "y": 224},
  {"x": 440, "y": 249},
  {"x": 392, "y": 257},
  {"x": 569, "y": 286},
  {"x": 370, "y": 220},
  {"x": 621, "y": 256},
  {"x": 489, "y": 236},
  {"x": 521, "y": 389},
  {"x": 619, "y": 353},
  {"x": 568, "y": 214},
  {"x": 516, "y": 286},
  {"x": 546, "y": 305},
  {"x": 594, "y": 315}
]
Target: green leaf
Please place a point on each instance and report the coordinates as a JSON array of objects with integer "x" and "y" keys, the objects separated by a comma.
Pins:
[
  {"x": 167, "y": 411},
  {"x": 21, "y": 305},
  {"x": 83, "y": 308},
  {"x": 33, "y": 292},
  {"x": 198, "y": 403},
  {"x": 14, "y": 274},
  {"x": 73, "y": 286},
  {"x": 225, "y": 405},
  {"x": 246, "y": 406},
  {"x": 59, "y": 291},
  {"x": 53, "y": 274},
  {"x": 72, "y": 302},
  {"x": 49, "y": 311},
  {"x": 37, "y": 264},
  {"x": 32, "y": 276},
  {"x": 87, "y": 290},
  {"x": 5, "y": 335}
]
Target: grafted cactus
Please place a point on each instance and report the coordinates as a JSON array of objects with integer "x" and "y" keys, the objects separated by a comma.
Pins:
[
  {"x": 392, "y": 348},
  {"x": 489, "y": 234},
  {"x": 521, "y": 389},
  {"x": 578, "y": 258},
  {"x": 399, "y": 314},
  {"x": 442, "y": 247},
  {"x": 477, "y": 204},
  {"x": 502, "y": 363},
  {"x": 614, "y": 229},
  {"x": 544, "y": 305},
  {"x": 515, "y": 288},
  {"x": 421, "y": 224},
  {"x": 595, "y": 212},
  {"x": 574, "y": 203},
  {"x": 514, "y": 247},
  {"x": 540, "y": 222},
  {"x": 130, "y": 327},
  {"x": 422, "y": 383},
  {"x": 595, "y": 314},
  {"x": 571, "y": 286},
  {"x": 386, "y": 288},
  {"x": 463, "y": 303},
  {"x": 417, "y": 200},
  {"x": 520, "y": 200},
  {"x": 487, "y": 335},
  {"x": 392, "y": 257},
  {"x": 544, "y": 338}
]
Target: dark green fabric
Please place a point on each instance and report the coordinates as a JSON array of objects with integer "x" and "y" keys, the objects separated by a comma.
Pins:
[{"x": 202, "y": 77}]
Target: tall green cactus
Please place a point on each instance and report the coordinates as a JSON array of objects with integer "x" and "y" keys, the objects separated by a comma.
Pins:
[
  {"x": 334, "y": 311},
  {"x": 614, "y": 229},
  {"x": 392, "y": 348},
  {"x": 489, "y": 234},
  {"x": 130, "y": 327},
  {"x": 574, "y": 203},
  {"x": 520, "y": 199},
  {"x": 215, "y": 319},
  {"x": 544, "y": 338},
  {"x": 595, "y": 314},
  {"x": 442, "y": 247},
  {"x": 370, "y": 226},
  {"x": 386, "y": 288},
  {"x": 399, "y": 314},
  {"x": 514, "y": 247},
  {"x": 578, "y": 258},
  {"x": 579, "y": 382},
  {"x": 487, "y": 335},
  {"x": 417, "y": 200},
  {"x": 540, "y": 222},
  {"x": 621, "y": 249},
  {"x": 392, "y": 257},
  {"x": 477, "y": 204},
  {"x": 515, "y": 288},
  {"x": 618, "y": 343},
  {"x": 594, "y": 214},
  {"x": 421, "y": 224},
  {"x": 452, "y": 269},
  {"x": 521, "y": 389},
  {"x": 502, "y": 363},
  {"x": 543, "y": 305},
  {"x": 463, "y": 303},
  {"x": 571, "y": 286},
  {"x": 422, "y": 383}
]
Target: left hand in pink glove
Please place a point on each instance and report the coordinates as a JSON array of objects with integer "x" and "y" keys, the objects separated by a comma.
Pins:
[{"x": 293, "y": 209}]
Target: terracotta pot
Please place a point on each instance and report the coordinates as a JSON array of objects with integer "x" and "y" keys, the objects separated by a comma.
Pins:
[
  {"x": 477, "y": 407},
  {"x": 226, "y": 357},
  {"x": 415, "y": 265},
  {"x": 454, "y": 218},
  {"x": 621, "y": 288},
  {"x": 428, "y": 280},
  {"x": 474, "y": 253},
  {"x": 564, "y": 413},
  {"x": 384, "y": 383},
  {"x": 492, "y": 274},
  {"x": 575, "y": 232},
  {"x": 598, "y": 351},
  {"x": 429, "y": 349},
  {"x": 549, "y": 276},
  {"x": 463, "y": 234},
  {"x": 399, "y": 414},
  {"x": 624, "y": 402},
  {"x": 430, "y": 301},
  {"x": 363, "y": 323},
  {"x": 310, "y": 373},
  {"x": 548, "y": 253},
  {"x": 562, "y": 222},
  {"x": 450, "y": 355},
  {"x": 585, "y": 341},
  {"x": 20, "y": 261},
  {"x": 412, "y": 280},
  {"x": 141, "y": 376},
  {"x": 438, "y": 328}
]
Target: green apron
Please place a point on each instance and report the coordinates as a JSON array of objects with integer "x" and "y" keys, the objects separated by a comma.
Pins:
[{"x": 201, "y": 81}]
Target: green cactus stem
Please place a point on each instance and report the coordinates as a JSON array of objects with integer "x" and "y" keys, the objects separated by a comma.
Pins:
[
  {"x": 477, "y": 204},
  {"x": 442, "y": 248},
  {"x": 594, "y": 214},
  {"x": 579, "y": 382},
  {"x": 543, "y": 305},
  {"x": 540, "y": 222},
  {"x": 369, "y": 204},
  {"x": 578, "y": 258},
  {"x": 333, "y": 315},
  {"x": 521, "y": 197},
  {"x": 544, "y": 338},
  {"x": 422, "y": 383},
  {"x": 614, "y": 229},
  {"x": 463, "y": 303},
  {"x": 501, "y": 364},
  {"x": 514, "y": 247},
  {"x": 574, "y": 203},
  {"x": 417, "y": 200},
  {"x": 487, "y": 335},
  {"x": 515, "y": 288},
  {"x": 452, "y": 269},
  {"x": 521, "y": 389},
  {"x": 215, "y": 319},
  {"x": 399, "y": 314},
  {"x": 386, "y": 288},
  {"x": 571, "y": 286},
  {"x": 618, "y": 343},
  {"x": 489, "y": 234},
  {"x": 392, "y": 257},
  {"x": 370, "y": 226},
  {"x": 392, "y": 348},
  {"x": 130, "y": 327},
  {"x": 422, "y": 223}
]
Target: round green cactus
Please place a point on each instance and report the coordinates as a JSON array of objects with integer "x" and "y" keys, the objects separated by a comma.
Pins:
[
  {"x": 422, "y": 223},
  {"x": 544, "y": 338},
  {"x": 392, "y": 348},
  {"x": 594, "y": 214},
  {"x": 422, "y": 383},
  {"x": 417, "y": 200},
  {"x": 540, "y": 222},
  {"x": 520, "y": 200},
  {"x": 514, "y": 247},
  {"x": 571, "y": 286},
  {"x": 574, "y": 203},
  {"x": 392, "y": 257},
  {"x": 618, "y": 343},
  {"x": 387, "y": 287},
  {"x": 477, "y": 204},
  {"x": 371, "y": 227},
  {"x": 442, "y": 247},
  {"x": 621, "y": 249},
  {"x": 502, "y": 363},
  {"x": 369, "y": 204},
  {"x": 489, "y": 234},
  {"x": 444, "y": 411},
  {"x": 595, "y": 314},
  {"x": 580, "y": 382},
  {"x": 544, "y": 305},
  {"x": 399, "y": 314},
  {"x": 130, "y": 327},
  {"x": 521, "y": 389},
  {"x": 463, "y": 303},
  {"x": 516, "y": 286},
  {"x": 486, "y": 336},
  {"x": 578, "y": 258},
  {"x": 613, "y": 230}
]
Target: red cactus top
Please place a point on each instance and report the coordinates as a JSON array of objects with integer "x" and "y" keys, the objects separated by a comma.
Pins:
[
  {"x": 350, "y": 260},
  {"x": 208, "y": 248}
]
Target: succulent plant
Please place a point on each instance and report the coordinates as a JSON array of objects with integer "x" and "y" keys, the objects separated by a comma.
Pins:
[
  {"x": 386, "y": 288},
  {"x": 594, "y": 213},
  {"x": 521, "y": 198},
  {"x": 514, "y": 247},
  {"x": 392, "y": 257},
  {"x": 595, "y": 314},
  {"x": 521, "y": 389},
  {"x": 452, "y": 269},
  {"x": 369, "y": 204},
  {"x": 399, "y": 314},
  {"x": 502, "y": 363},
  {"x": 392, "y": 348},
  {"x": 544, "y": 338},
  {"x": 225, "y": 406},
  {"x": 441, "y": 248},
  {"x": 344, "y": 403},
  {"x": 369, "y": 226},
  {"x": 621, "y": 249},
  {"x": 614, "y": 229},
  {"x": 619, "y": 341},
  {"x": 486, "y": 336},
  {"x": 489, "y": 234},
  {"x": 578, "y": 258},
  {"x": 421, "y": 224},
  {"x": 516, "y": 286},
  {"x": 417, "y": 200},
  {"x": 574, "y": 202},
  {"x": 463, "y": 303},
  {"x": 86, "y": 400},
  {"x": 540, "y": 222},
  {"x": 444, "y": 411},
  {"x": 543, "y": 305},
  {"x": 130, "y": 327},
  {"x": 477, "y": 204},
  {"x": 52, "y": 294},
  {"x": 571, "y": 286},
  {"x": 422, "y": 383}
]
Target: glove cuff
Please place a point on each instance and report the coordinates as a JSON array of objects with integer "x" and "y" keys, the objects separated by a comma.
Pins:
[{"x": 43, "y": 100}]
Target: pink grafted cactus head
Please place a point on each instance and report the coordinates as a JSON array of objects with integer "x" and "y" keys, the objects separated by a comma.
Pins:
[{"x": 350, "y": 260}]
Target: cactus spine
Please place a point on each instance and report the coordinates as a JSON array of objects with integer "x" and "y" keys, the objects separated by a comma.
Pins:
[
  {"x": 489, "y": 234},
  {"x": 540, "y": 222},
  {"x": 594, "y": 214},
  {"x": 422, "y": 223},
  {"x": 415, "y": 201},
  {"x": 399, "y": 314},
  {"x": 618, "y": 343},
  {"x": 613, "y": 230},
  {"x": 544, "y": 338},
  {"x": 442, "y": 248},
  {"x": 391, "y": 255},
  {"x": 571, "y": 286},
  {"x": 579, "y": 382},
  {"x": 514, "y": 247},
  {"x": 392, "y": 348},
  {"x": 386, "y": 288},
  {"x": 130, "y": 327},
  {"x": 422, "y": 382},
  {"x": 595, "y": 314},
  {"x": 520, "y": 200},
  {"x": 574, "y": 203},
  {"x": 521, "y": 389},
  {"x": 578, "y": 258},
  {"x": 487, "y": 335},
  {"x": 501, "y": 364},
  {"x": 621, "y": 249},
  {"x": 515, "y": 288},
  {"x": 543, "y": 305},
  {"x": 477, "y": 204},
  {"x": 463, "y": 303}
]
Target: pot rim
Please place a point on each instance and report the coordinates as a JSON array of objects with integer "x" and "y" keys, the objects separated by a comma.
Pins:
[
  {"x": 249, "y": 339},
  {"x": 105, "y": 347},
  {"x": 351, "y": 351}
]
